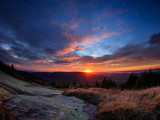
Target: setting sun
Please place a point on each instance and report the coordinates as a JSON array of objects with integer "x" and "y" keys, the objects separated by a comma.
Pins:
[{"x": 88, "y": 71}]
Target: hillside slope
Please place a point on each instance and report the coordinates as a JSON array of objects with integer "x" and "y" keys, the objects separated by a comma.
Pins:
[{"x": 29, "y": 102}]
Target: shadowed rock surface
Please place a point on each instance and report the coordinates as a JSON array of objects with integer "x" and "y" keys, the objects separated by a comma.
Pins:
[{"x": 43, "y": 103}]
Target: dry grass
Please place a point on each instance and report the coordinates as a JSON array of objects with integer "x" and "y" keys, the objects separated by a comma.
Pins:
[
  {"x": 4, "y": 95},
  {"x": 122, "y": 105},
  {"x": 4, "y": 113}
]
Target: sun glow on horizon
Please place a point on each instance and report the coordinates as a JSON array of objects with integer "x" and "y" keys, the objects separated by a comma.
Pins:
[{"x": 88, "y": 71}]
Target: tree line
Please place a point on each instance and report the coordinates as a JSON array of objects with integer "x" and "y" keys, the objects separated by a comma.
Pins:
[{"x": 146, "y": 79}]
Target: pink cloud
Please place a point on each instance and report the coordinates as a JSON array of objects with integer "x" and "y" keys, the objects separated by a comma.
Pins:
[
  {"x": 69, "y": 58},
  {"x": 77, "y": 41},
  {"x": 70, "y": 49},
  {"x": 95, "y": 29},
  {"x": 74, "y": 26}
]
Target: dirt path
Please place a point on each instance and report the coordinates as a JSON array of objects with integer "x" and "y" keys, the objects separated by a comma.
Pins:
[{"x": 45, "y": 104}]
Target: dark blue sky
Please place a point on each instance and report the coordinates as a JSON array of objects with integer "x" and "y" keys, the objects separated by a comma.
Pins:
[{"x": 74, "y": 35}]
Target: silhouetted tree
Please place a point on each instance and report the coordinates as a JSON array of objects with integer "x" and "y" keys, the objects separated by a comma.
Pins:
[
  {"x": 131, "y": 81},
  {"x": 53, "y": 83},
  {"x": 144, "y": 80},
  {"x": 87, "y": 85},
  {"x": 12, "y": 67},
  {"x": 108, "y": 83},
  {"x": 140, "y": 84},
  {"x": 81, "y": 85},
  {"x": 123, "y": 86},
  {"x": 74, "y": 83},
  {"x": 97, "y": 84}
]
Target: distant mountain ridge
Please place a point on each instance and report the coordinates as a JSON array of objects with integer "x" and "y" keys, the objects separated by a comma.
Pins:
[
  {"x": 122, "y": 76},
  {"x": 69, "y": 77}
]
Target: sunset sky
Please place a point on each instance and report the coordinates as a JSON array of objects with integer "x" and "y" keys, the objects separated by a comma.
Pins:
[{"x": 79, "y": 35}]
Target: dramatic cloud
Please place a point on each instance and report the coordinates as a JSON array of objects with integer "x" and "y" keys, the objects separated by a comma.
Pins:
[
  {"x": 129, "y": 53},
  {"x": 155, "y": 39},
  {"x": 69, "y": 33}
]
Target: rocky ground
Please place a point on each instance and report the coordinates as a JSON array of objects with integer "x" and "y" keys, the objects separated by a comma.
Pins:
[{"x": 32, "y": 102}]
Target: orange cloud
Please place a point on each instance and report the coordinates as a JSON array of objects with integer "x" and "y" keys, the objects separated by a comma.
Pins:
[
  {"x": 70, "y": 49},
  {"x": 69, "y": 58},
  {"x": 40, "y": 61},
  {"x": 77, "y": 41},
  {"x": 97, "y": 67},
  {"x": 93, "y": 38}
]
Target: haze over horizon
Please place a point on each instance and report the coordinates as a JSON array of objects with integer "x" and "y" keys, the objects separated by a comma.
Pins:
[{"x": 78, "y": 35}]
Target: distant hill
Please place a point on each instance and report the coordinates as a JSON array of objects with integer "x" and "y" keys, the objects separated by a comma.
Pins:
[
  {"x": 45, "y": 77},
  {"x": 69, "y": 77},
  {"x": 117, "y": 77},
  {"x": 122, "y": 76}
]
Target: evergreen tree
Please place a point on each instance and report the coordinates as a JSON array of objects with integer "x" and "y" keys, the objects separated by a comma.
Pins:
[
  {"x": 140, "y": 84},
  {"x": 12, "y": 67},
  {"x": 53, "y": 83},
  {"x": 74, "y": 83},
  {"x": 108, "y": 83},
  {"x": 87, "y": 85},
  {"x": 144, "y": 80},
  {"x": 97, "y": 84},
  {"x": 131, "y": 81}
]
